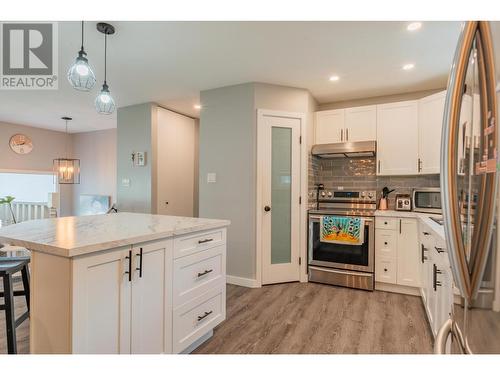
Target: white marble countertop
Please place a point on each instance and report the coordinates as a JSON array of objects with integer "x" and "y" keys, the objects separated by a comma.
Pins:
[
  {"x": 424, "y": 217},
  {"x": 78, "y": 235}
]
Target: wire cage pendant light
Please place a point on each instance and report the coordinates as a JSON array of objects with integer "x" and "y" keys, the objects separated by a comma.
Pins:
[
  {"x": 67, "y": 170},
  {"x": 104, "y": 102},
  {"x": 80, "y": 74}
]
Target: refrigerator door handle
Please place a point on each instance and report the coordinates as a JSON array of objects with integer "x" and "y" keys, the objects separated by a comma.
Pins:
[
  {"x": 450, "y": 328},
  {"x": 468, "y": 276}
]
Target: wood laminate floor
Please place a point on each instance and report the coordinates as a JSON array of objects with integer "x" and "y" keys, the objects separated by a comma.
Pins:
[
  {"x": 304, "y": 318},
  {"x": 316, "y": 318}
]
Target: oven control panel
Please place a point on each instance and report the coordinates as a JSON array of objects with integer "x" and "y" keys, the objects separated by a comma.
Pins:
[{"x": 340, "y": 195}]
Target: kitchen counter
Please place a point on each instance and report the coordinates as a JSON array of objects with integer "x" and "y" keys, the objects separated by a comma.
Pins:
[
  {"x": 79, "y": 235},
  {"x": 425, "y": 217}
]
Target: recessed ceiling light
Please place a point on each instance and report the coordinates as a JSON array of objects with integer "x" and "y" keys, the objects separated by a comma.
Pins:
[
  {"x": 334, "y": 78},
  {"x": 408, "y": 66},
  {"x": 197, "y": 106},
  {"x": 414, "y": 26}
]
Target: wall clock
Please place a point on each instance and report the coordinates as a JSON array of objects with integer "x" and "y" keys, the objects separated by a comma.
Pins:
[{"x": 21, "y": 144}]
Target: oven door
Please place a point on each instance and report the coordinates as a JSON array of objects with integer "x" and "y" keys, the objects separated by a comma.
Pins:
[{"x": 349, "y": 257}]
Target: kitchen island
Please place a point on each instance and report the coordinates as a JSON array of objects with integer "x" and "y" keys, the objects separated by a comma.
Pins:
[{"x": 123, "y": 283}]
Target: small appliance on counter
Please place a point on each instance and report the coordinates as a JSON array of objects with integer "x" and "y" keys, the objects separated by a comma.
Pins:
[
  {"x": 382, "y": 205},
  {"x": 427, "y": 200},
  {"x": 403, "y": 202}
]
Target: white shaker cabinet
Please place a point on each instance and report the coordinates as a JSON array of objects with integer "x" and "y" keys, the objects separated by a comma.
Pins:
[
  {"x": 396, "y": 251},
  {"x": 329, "y": 126},
  {"x": 151, "y": 307},
  {"x": 408, "y": 255},
  {"x": 397, "y": 138},
  {"x": 430, "y": 124},
  {"x": 118, "y": 313},
  {"x": 437, "y": 278},
  {"x": 101, "y": 304},
  {"x": 361, "y": 124}
]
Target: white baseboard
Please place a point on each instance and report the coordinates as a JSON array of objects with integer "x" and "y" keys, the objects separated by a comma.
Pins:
[
  {"x": 393, "y": 288},
  {"x": 242, "y": 281}
]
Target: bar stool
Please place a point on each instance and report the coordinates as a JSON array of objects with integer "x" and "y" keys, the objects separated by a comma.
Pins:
[{"x": 9, "y": 267}]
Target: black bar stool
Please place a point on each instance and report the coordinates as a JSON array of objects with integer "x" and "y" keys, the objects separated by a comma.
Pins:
[{"x": 9, "y": 267}]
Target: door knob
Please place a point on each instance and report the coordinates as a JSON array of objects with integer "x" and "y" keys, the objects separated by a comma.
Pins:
[{"x": 267, "y": 208}]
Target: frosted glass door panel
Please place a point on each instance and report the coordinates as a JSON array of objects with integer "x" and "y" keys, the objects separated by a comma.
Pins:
[{"x": 281, "y": 193}]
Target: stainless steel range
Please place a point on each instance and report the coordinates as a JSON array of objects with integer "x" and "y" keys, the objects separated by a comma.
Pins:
[{"x": 341, "y": 263}]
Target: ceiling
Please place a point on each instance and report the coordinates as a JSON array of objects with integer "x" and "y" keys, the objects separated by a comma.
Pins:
[{"x": 171, "y": 62}]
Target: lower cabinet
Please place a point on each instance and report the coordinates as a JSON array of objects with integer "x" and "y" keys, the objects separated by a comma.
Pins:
[
  {"x": 396, "y": 251},
  {"x": 139, "y": 299},
  {"x": 437, "y": 279}
]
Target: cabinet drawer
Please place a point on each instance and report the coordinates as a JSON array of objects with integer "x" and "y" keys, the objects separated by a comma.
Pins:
[
  {"x": 190, "y": 244},
  {"x": 385, "y": 269},
  {"x": 386, "y": 242},
  {"x": 198, "y": 317},
  {"x": 197, "y": 273},
  {"x": 387, "y": 223}
]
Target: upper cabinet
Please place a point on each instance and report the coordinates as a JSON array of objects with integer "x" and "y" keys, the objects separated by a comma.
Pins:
[
  {"x": 361, "y": 123},
  {"x": 408, "y": 133},
  {"x": 330, "y": 126},
  {"x": 397, "y": 138},
  {"x": 346, "y": 125},
  {"x": 430, "y": 124}
]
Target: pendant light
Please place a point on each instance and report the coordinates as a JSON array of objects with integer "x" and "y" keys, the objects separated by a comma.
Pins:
[
  {"x": 104, "y": 103},
  {"x": 80, "y": 74},
  {"x": 67, "y": 170}
]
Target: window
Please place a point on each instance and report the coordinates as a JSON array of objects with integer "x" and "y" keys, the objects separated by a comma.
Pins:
[{"x": 27, "y": 187}]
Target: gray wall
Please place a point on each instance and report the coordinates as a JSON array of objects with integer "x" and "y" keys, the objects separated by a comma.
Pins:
[
  {"x": 47, "y": 145},
  {"x": 134, "y": 133},
  {"x": 228, "y": 146},
  {"x": 97, "y": 151}
]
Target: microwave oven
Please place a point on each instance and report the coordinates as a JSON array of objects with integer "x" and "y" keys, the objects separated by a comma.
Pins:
[{"x": 427, "y": 200}]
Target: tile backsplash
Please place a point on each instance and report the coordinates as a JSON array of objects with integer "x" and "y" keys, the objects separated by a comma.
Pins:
[{"x": 360, "y": 174}]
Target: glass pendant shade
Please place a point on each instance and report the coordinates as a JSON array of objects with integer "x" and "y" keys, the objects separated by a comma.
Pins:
[
  {"x": 67, "y": 170},
  {"x": 104, "y": 102},
  {"x": 80, "y": 75}
]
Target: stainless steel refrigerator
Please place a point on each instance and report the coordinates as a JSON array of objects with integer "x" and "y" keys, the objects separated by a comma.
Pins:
[{"x": 469, "y": 179}]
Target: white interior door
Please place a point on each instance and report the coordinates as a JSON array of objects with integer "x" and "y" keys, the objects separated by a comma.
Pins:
[
  {"x": 176, "y": 137},
  {"x": 280, "y": 154}
]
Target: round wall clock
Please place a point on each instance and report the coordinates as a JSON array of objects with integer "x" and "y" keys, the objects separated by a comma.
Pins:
[{"x": 21, "y": 144}]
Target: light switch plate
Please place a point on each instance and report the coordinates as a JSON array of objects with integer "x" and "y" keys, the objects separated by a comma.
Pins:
[{"x": 211, "y": 178}]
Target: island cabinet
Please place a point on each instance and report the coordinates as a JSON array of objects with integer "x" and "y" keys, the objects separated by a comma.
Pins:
[{"x": 160, "y": 296}]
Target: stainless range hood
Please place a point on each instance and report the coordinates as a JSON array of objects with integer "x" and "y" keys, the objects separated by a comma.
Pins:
[{"x": 345, "y": 150}]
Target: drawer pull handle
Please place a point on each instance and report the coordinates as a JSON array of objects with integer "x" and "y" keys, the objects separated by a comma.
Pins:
[
  {"x": 205, "y": 240},
  {"x": 439, "y": 249},
  {"x": 385, "y": 243},
  {"x": 207, "y": 313},
  {"x": 425, "y": 233},
  {"x": 200, "y": 274},
  {"x": 385, "y": 222},
  {"x": 385, "y": 269}
]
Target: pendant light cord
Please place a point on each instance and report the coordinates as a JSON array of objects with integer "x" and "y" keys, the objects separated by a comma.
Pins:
[
  {"x": 66, "y": 146},
  {"x": 82, "y": 35},
  {"x": 105, "y": 55}
]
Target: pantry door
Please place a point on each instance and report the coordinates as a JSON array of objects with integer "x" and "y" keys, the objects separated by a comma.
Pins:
[{"x": 279, "y": 154}]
